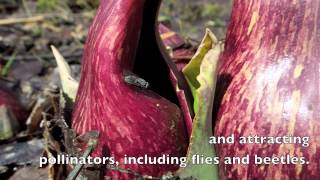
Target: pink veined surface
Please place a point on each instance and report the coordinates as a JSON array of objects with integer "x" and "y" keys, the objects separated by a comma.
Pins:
[
  {"x": 272, "y": 71},
  {"x": 131, "y": 121}
]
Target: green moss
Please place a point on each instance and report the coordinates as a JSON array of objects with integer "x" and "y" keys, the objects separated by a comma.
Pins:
[{"x": 47, "y": 5}]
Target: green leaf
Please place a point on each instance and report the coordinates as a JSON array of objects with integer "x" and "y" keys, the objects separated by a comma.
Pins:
[
  {"x": 6, "y": 68},
  {"x": 201, "y": 74},
  {"x": 192, "y": 70}
]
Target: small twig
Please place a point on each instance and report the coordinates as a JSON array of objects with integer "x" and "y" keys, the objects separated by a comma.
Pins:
[
  {"x": 8, "y": 80},
  {"x": 92, "y": 143},
  {"x": 190, "y": 39},
  {"x": 131, "y": 172},
  {"x": 25, "y": 6},
  {"x": 47, "y": 137},
  {"x": 22, "y": 20},
  {"x": 76, "y": 54}
]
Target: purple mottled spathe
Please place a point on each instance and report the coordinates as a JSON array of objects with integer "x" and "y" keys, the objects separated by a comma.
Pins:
[
  {"x": 132, "y": 121},
  {"x": 269, "y": 85}
]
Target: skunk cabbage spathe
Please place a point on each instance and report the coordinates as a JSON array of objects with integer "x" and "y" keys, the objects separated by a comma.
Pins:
[
  {"x": 269, "y": 85},
  {"x": 10, "y": 102},
  {"x": 132, "y": 120}
]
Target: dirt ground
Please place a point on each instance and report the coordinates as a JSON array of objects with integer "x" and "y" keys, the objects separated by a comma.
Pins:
[{"x": 190, "y": 18}]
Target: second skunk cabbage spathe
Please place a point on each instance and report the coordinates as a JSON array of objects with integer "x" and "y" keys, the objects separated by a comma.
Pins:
[
  {"x": 13, "y": 114},
  {"x": 270, "y": 87}
]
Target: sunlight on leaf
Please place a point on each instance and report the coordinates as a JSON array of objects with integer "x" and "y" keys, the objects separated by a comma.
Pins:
[{"x": 69, "y": 85}]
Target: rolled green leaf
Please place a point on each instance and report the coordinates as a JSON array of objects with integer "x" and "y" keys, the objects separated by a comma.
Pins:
[{"x": 201, "y": 74}]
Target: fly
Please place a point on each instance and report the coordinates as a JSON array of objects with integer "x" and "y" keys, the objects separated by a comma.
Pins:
[{"x": 135, "y": 80}]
